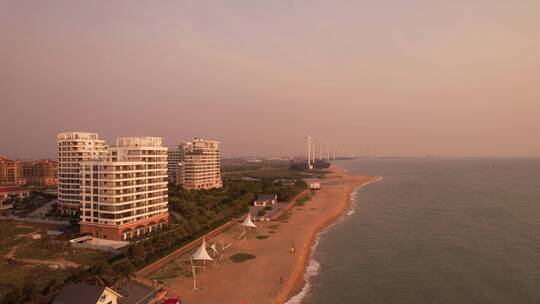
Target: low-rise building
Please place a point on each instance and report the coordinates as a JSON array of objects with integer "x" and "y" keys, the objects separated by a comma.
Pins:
[
  {"x": 264, "y": 200},
  {"x": 86, "y": 294},
  {"x": 132, "y": 292},
  {"x": 11, "y": 191},
  {"x": 315, "y": 186}
]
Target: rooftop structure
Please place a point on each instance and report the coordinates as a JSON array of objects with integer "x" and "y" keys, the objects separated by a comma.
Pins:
[{"x": 139, "y": 142}]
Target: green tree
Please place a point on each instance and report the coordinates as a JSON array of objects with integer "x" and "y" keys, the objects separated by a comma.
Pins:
[
  {"x": 100, "y": 273},
  {"x": 125, "y": 272}
]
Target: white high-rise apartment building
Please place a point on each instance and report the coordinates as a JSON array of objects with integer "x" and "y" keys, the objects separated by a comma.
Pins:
[
  {"x": 120, "y": 191},
  {"x": 200, "y": 165},
  {"x": 125, "y": 195},
  {"x": 74, "y": 148},
  {"x": 174, "y": 159}
]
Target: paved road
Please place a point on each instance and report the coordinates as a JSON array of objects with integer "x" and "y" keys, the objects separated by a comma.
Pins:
[{"x": 41, "y": 211}]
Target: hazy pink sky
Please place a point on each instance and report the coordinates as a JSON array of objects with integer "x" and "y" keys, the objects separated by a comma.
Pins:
[{"x": 445, "y": 78}]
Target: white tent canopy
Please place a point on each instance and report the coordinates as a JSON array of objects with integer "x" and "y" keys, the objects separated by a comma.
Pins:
[
  {"x": 201, "y": 254},
  {"x": 248, "y": 222}
]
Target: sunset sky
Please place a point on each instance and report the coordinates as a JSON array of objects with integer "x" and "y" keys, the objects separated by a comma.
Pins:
[{"x": 408, "y": 78}]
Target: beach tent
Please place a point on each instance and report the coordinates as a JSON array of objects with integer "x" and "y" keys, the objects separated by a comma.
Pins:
[
  {"x": 201, "y": 254},
  {"x": 248, "y": 222}
]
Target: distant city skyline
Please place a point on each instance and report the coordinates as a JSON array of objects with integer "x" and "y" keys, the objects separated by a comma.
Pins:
[{"x": 404, "y": 78}]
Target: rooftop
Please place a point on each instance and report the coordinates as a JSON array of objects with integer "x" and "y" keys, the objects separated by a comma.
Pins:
[
  {"x": 138, "y": 293},
  {"x": 266, "y": 197},
  {"x": 79, "y": 294}
]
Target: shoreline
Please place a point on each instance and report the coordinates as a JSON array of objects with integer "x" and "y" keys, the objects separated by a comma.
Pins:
[
  {"x": 297, "y": 282},
  {"x": 275, "y": 274}
]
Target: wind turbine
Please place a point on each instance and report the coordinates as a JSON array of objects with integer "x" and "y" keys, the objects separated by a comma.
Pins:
[
  {"x": 327, "y": 151},
  {"x": 313, "y": 151},
  {"x": 310, "y": 151}
]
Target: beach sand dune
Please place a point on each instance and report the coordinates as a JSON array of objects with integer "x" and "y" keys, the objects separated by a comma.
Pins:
[{"x": 275, "y": 274}]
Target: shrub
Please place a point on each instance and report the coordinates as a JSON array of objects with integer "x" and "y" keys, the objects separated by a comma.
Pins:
[{"x": 303, "y": 200}]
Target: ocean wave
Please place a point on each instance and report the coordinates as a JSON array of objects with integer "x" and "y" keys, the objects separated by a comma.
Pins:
[
  {"x": 353, "y": 202},
  {"x": 312, "y": 270},
  {"x": 355, "y": 193}
]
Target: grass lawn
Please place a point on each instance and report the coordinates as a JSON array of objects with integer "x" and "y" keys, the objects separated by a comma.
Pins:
[
  {"x": 8, "y": 235},
  {"x": 17, "y": 275},
  {"x": 241, "y": 257},
  {"x": 14, "y": 274},
  {"x": 41, "y": 249}
]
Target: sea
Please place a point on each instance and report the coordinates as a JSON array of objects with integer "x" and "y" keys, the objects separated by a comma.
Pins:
[{"x": 433, "y": 231}]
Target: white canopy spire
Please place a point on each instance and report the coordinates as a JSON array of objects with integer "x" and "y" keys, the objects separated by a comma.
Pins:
[
  {"x": 248, "y": 222},
  {"x": 201, "y": 254}
]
